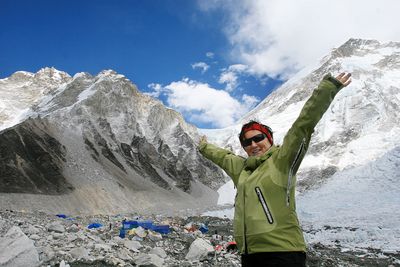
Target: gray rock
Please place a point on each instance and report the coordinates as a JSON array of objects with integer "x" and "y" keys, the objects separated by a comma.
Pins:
[
  {"x": 73, "y": 229},
  {"x": 16, "y": 249},
  {"x": 132, "y": 245},
  {"x": 124, "y": 254},
  {"x": 64, "y": 264},
  {"x": 104, "y": 247},
  {"x": 57, "y": 235},
  {"x": 148, "y": 260},
  {"x": 48, "y": 253},
  {"x": 79, "y": 253},
  {"x": 71, "y": 237},
  {"x": 34, "y": 237},
  {"x": 159, "y": 252},
  {"x": 70, "y": 245},
  {"x": 115, "y": 261},
  {"x": 118, "y": 240},
  {"x": 199, "y": 249},
  {"x": 56, "y": 227},
  {"x": 31, "y": 230}
]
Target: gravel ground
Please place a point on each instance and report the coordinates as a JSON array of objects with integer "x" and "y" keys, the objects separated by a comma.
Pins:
[{"x": 176, "y": 244}]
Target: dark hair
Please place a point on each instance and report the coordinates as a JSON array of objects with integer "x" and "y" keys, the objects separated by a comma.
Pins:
[{"x": 261, "y": 127}]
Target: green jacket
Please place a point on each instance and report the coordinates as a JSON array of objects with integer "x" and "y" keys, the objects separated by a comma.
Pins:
[{"x": 265, "y": 210}]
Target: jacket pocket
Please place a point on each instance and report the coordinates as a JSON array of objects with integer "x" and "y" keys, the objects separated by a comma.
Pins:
[{"x": 264, "y": 205}]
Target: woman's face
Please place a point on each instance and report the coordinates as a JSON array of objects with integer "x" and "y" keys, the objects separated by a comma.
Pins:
[{"x": 256, "y": 149}]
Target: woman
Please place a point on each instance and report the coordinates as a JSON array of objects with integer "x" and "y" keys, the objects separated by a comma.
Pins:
[{"x": 266, "y": 227}]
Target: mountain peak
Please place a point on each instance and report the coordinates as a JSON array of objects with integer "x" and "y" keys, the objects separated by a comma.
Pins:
[
  {"x": 361, "y": 47},
  {"x": 21, "y": 76},
  {"x": 52, "y": 75},
  {"x": 108, "y": 72}
]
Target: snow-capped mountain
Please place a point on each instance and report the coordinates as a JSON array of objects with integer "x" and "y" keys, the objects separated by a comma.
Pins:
[
  {"x": 349, "y": 181},
  {"x": 362, "y": 123},
  {"x": 96, "y": 144},
  {"x": 23, "y": 89}
]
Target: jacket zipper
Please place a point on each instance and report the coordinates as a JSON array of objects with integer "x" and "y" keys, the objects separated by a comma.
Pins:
[
  {"x": 289, "y": 183},
  {"x": 264, "y": 205},
  {"x": 244, "y": 225}
]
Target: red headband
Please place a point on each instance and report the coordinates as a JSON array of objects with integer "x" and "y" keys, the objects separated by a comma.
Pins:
[{"x": 261, "y": 128}]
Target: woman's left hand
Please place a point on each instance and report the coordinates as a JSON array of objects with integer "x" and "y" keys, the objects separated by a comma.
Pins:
[{"x": 344, "y": 78}]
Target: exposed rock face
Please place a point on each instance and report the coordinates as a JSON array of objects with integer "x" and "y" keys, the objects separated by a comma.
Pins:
[
  {"x": 97, "y": 141},
  {"x": 31, "y": 161},
  {"x": 17, "y": 250}
]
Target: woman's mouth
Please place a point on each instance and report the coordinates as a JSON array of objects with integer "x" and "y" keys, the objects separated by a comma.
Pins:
[{"x": 255, "y": 152}]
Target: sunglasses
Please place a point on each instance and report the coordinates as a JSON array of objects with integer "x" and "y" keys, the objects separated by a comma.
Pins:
[{"x": 257, "y": 138}]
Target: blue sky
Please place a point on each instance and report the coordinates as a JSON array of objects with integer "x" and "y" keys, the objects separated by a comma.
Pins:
[{"x": 211, "y": 60}]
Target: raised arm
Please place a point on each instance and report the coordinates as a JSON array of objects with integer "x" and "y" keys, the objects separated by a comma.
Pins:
[
  {"x": 224, "y": 158},
  {"x": 296, "y": 141}
]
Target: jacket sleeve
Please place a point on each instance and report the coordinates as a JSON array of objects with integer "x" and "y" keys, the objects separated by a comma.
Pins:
[
  {"x": 297, "y": 139},
  {"x": 225, "y": 159}
]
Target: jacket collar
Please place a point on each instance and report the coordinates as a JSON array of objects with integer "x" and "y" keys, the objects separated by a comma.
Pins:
[{"x": 253, "y": 162}]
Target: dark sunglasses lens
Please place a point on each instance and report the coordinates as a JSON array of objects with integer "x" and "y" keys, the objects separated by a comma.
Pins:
[
  {"x": 246, "y": 142},
  {"x": 257, "y": 138}
]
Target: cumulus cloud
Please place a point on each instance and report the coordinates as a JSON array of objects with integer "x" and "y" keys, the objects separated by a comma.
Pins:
[
  {"x": 231, "y": 75},
  {"x": 201, "y": 65},
  {"x": 249, "y": 100},
  {"x": 203, "y": 104},
  {"x": 278, "y": 37},
  {"x": 157, "y": 89}
]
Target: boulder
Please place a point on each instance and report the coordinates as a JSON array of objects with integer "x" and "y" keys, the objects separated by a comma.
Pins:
[
  {"x": 159, "y": 252},
  {"x": 149, "y": 260},
  {"x": 199, "y": 250},
  {"x": 132, "y": 245},
  {"x": 16, "y": 249},
  {"x": 56, "y": 227},
  {"x": 79, "y": 253}
]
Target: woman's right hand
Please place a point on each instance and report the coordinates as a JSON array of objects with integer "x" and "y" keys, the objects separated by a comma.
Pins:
[{"x": 203, "y": 139}]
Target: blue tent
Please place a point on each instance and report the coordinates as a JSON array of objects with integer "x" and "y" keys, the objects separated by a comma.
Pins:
[{"x": 94, "y": 225}]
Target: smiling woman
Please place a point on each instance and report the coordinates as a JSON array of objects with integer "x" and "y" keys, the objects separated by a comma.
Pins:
[
  {"x": 266, "y": 227},
  {"x": 256, "y": 138}
]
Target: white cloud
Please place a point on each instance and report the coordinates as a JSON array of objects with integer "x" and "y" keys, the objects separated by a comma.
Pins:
[
  {"x": 249, "y": 100},
  {"x": 201, "y": 65},
  {"x": 230, "y": 76},
  {"x": 278, "y": 37},
  {"x": 210, "y": 54},
  {"x": 157, "y": 89},
  {"x": 202, "y": 103}
]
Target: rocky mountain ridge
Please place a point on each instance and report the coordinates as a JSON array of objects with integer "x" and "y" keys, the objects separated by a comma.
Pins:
[{"x": 112, "y": 148}]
